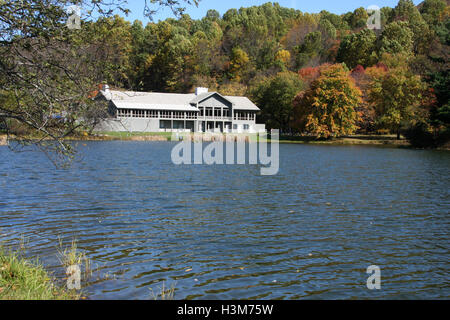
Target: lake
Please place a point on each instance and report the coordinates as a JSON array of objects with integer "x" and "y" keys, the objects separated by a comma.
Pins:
[{"x": 226, "y": 232}]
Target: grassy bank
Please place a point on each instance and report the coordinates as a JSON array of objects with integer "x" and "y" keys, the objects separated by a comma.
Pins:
[
  {"x": 21, "y": 279},
  {"x": 384, "y": 140},
  {"x": 374, "y": 140}
]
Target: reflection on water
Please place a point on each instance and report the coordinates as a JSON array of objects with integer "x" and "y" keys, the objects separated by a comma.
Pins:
[{"x": 309, "y": 232}]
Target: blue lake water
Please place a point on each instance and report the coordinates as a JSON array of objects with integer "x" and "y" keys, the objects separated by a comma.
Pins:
[{"x": 226, "y": 232}]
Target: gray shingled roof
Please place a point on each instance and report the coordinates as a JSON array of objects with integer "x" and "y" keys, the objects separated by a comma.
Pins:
[
  {"x": 242, "y": 103},
  {"x": 201, "y": 97},
  {"x": 171, "y": 101}
]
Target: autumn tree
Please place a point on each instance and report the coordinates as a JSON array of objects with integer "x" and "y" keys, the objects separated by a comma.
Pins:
[
  {"x": 365, "y": 110},
  {"x": 238, "y": 64},
  {"x": 327, "y": 108},
  {"x": 396, "y": 94},
  {"x": 283, "y": 58}
]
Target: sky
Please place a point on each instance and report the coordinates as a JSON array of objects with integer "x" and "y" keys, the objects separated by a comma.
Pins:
[{"x": 310, "y": 6}]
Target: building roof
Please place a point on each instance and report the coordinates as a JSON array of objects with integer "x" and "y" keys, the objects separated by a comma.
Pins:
[
  {"x": 202, "y": 96},
  {"x": 170, "y": 101},
  {"x": 242, "y": 103}
]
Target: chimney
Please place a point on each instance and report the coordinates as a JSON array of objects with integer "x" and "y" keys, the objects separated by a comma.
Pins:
[
  {"x": 106, "y": 92},
  {"x": 200, "y": 90}
]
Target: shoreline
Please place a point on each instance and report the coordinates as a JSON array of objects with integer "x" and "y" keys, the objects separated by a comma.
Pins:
[
  {"x": 3, "y": 140},
  {"x": 166, "y": 137},
  {"x": 355, "y": 140}
]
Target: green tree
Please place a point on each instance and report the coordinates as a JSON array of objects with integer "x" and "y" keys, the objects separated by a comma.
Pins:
[
  {"x": 113, "y": 40},
  {"x": 397, "y": 37},
  {"x": 275, "y": 96},
  {"x": 166, "y": 66},
  {"x": 408, "y": 12},
  {"x": 440, "y": 82},
  {"x": 213, "y": 15},
  {"x": 358, "y": 49},
  {"x": 358, "y": 19},
  {"x": 433, "y": 11},
  {"x": 310, "y": 48},
  {"x": 336, "y": 20}
]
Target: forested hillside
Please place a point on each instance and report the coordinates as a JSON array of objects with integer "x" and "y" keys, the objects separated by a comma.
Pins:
[
  {"x": 322, "y": 74},
  {"x": 319, "y": 74}
]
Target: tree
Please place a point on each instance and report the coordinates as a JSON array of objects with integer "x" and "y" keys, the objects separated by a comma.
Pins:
[
  {"x": 166, "y": 64},
  {"x": 358, "y": 49},
  {"x": 48, "y": 70},
  {"x": 310, "y": 48},
  {"x": 433, "y": 11},
  {"x": 406, "y": 11},
  {"x": 283, "y": 57},
  {"x": 213, "y": 15},
  {"x": 113, "y": 41},
  {"x": 274, "y": 96},
  {"x": 336, "y": 20},
  {"x": 358, "y": 19},
  {"x": 239, "y": 63},
  {"x": 440, "y": 114},
  {"x": 303, "y": 25},
  {"x": 309, "y": 74},
  {"x": 365, "y": 110},
  {"x": 327, "y": 108},
  {"x": 397, "y": 37},
  {"x": 233, "y": 89},
  {"x": 396, "y": 94}
]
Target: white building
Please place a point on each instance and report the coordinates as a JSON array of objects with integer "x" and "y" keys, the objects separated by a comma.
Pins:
[{"x": 201, "y": 111}]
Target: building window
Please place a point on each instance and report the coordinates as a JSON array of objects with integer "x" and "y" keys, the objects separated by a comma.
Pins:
[
  {"x": 246, "y": 127},
  {"x": 235, "y": 126},
  {"x": 165, "y": 124}
]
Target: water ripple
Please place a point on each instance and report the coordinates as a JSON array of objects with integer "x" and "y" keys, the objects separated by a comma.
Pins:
[{"x": 225, "y": 232}]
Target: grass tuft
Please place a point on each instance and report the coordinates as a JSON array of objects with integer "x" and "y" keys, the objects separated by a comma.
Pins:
[
  {"x": 165, "y": 293},
  {"x": 21, "y": 279},
  {"x": 72, "y": 256}
]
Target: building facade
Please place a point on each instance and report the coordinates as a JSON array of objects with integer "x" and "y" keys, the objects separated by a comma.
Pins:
[{"x": 201, "y": 111}]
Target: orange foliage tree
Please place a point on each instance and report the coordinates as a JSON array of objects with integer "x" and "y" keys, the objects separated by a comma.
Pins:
[
  {"x": 327, "y": 108},
  {"x": 365, "y": 110}
]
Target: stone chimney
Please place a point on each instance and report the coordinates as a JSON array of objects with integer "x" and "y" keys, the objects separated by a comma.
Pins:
[{"x": 200, "y": 90}]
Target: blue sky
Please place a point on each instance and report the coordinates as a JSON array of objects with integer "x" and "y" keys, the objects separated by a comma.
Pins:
[{"x": 311, "y": 6}]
